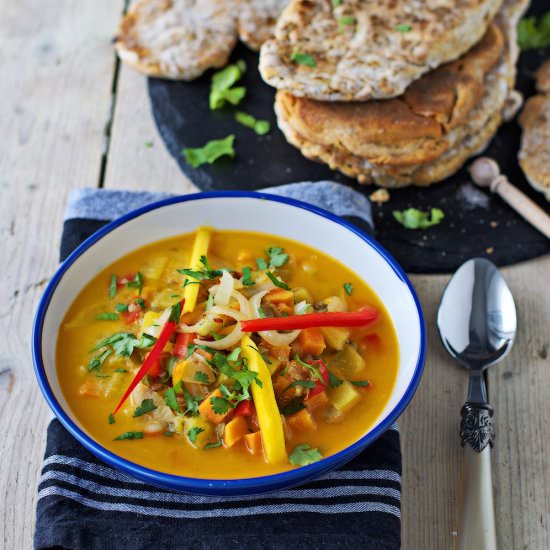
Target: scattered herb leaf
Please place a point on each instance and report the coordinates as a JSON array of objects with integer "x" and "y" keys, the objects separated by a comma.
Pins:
[
  {"x": 277, "y": 282},
  {"x": 111, "y": 418},
  {"x": 292, "y": 407},
  {"x": 348, "y": 287},
  {"x": 221, "y": 87},
  {"x": 361, "y": 383},
  {"x": 121, "y": 308},
  {"x": 333, "y": 380},
  {"x": 121, "y": 370},
  {"x": 201, "y": 377},
  {"x": 211, "y": 152},
  {"x": 262, "y": 264},
  {"x": 534, "y": 33},
  {"x": 302, "y": 383},
  {"x": 136, "y": 282},
  {"x": 234, "y": 355},
  {"x": 193, "y": 433},
  {"x": 412, "y": 218},
  {"x": 148, "y": 144},
  {"x": 112, "y": 287},
  {"x": 303, "y": 59},
  {"x": 171, "y": 401},
  {"x": 129, "y": 435},
  {"x": 213, "y": 445},
  {"x": 403, "y": 28},
  {"x": 304, "y": 454},
  {"x": 347, "y": 20},
  {"x": 247, "y": 277},
  {"x": 261, "y": 127},
  {"x": 220, "y": 405},
  {"x": 107, "y": 316},
  {"x": 147, "y": 405},
  {"x": 277, "y": 256},
  {"x": 96, "y": 362}
]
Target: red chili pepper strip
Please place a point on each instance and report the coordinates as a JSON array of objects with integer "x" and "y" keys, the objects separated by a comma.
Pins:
[
  {"x": 319, "y": 386},
  {"x": 167, "y": 330},
  {"x": 359, "y": 318}
]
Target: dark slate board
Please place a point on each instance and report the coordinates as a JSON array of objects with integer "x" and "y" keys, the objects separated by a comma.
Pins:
[{"x": 476, "y": 223}]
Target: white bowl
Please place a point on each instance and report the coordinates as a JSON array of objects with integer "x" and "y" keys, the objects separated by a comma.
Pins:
[{"x": 238, "y": 211}]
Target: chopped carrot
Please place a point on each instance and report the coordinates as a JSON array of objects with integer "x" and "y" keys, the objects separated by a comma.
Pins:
[
  {"x": 302, "y": 421},
  {"x": 89, "y": 389},
  {"x": 235, "y": 431},
  {"x": 253, "y": 443},
  {"x": 206, "y": 410},
  {"x": 312, "y": 341},
  {"x": 280, "y": 296},
  {"x": 317, "y": 401}
]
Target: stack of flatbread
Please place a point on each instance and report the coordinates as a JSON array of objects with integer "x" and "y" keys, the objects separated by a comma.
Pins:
[{"x": 393, "y": 92}]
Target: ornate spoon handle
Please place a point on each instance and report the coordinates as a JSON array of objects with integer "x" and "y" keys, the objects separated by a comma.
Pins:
[{"x": 477, "y": 527}]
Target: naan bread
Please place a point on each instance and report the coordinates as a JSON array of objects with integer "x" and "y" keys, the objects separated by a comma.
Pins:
[
  {"x": 534, "y": 154},
  {"x": 369, "y": 49},
  {"x": 180, "y": 39}
]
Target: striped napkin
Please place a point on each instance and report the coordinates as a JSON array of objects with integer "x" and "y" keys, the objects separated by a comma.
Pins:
[{"x": 85, "y": 504}]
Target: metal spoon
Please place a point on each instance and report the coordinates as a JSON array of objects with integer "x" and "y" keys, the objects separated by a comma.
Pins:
[{"x": 477, "y": 325}]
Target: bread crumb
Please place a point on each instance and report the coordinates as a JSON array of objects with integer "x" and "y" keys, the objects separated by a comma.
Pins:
[{"x": 380, "y": 196}]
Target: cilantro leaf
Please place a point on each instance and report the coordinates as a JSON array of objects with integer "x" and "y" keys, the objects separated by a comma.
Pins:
[
  {"x": 303, "y": 455},
  {"x": 191, "y": 404},
  {"x": 121, "y": 308},
  {"x": 129, "y": 435},
  {"x": 277, "y": 282},
  {"x": 292, "y": 407},
  {"x": 534, "y": 33},
  {"x": 136, "y": 282},
  {"x": 247, "y": 277},
  {"x": 213, "y": 445},
  {"x": 277, "y": 256},
  {"x": 107, "y": 316},
  {"x": 303, "y": 59},
  {"x": 210, "y": 152},
  {"x": 96, "y": 362},
  {"x": 201, "y": 377},
  {"x": 261, "y": 127},
  {"x": 111, "y": 418},
  {"x": 168, "y": 434},
  {"x": 262, "y": 264},
  {"x": 147, "y": 405},
  {"x": 336, "y": 3},
  {"x": 220, "y": 405},
  {"x": 171, "y": 401},
  {"x": 347, "y": 20},
  {"x": 193, "y": 433},
  {"x": 121, "y": 370},
  {"x": 348, "y": 287},
  {"x": 221, "y": 87},
  {"x": 113, "y": 286},
  {"x": 234, "y": 355},
  {"x": 361, "y": 383},
  {"x": 333, "y": 380},
  {"x": 123, "y": 343},
  {"x": 175, "y": 313},
  {"x": 412, "y": 218},
  {"x": 302, "y": 383},
  {"x": 403, "y": 28}
]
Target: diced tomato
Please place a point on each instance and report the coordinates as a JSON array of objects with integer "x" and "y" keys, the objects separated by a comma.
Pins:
[
  {"x": 131, "y": 317},
  {"x": 245, "y": 408},
  {"x": 156, "y": 369},
  {"x": 121, "y": 281},
  {"x": 182, "y": 344},
  {"x": 319, "y": 386}
]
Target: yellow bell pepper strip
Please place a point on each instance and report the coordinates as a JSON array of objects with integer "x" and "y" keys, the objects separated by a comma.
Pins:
[
  {"x": 200, "y": 248},
  {"x": 269, "y": 418}
]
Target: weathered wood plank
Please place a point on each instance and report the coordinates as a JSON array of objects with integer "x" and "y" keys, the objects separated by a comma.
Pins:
[
  {"x": 57, "y": 64},
  {"x": 137, "y": 156},
  {"x": 519, "y": 390}
]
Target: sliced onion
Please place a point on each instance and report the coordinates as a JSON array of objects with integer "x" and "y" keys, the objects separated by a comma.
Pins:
[
  {"x": 155, "y": 330},
  {"x": 233, "y": 337},
  {"x": 271, "y": 336},
  {"x": 224, "y": 289}
]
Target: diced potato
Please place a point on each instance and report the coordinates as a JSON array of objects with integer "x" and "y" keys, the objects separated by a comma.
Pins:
[
  {"x": 150, "y": 324},
  {"x": 302, "y": 421},
  {"x": 302, "y": 294},
  {"x": 348, "y": 361},
  {"x": 235, "y": 431},
  {"x": 336, "y": 337},
  {"x": 201, "y": 438},
  {"x": 154, "y": 267},
  {"x": 253, "y": 443},
  {"x": 166, "y": 298},
  {"x": 344, "y": 397},
  {"x": 335, "y": 304}
]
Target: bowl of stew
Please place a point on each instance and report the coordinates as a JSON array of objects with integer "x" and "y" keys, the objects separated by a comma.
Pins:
[{"x": 228, "y": 343}]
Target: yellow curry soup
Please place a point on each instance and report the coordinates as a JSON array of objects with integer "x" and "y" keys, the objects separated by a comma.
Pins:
[{"x": 227, "y": 397}]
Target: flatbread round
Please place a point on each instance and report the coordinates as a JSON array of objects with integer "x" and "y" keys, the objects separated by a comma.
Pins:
[
  {"x": 257, "y": 19},
  {"x": 368, "y": 49},
  {"x": 177, "y": 39}
]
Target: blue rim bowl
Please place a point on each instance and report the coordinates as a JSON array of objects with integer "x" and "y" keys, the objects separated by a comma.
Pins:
[{"x": 222, "y": 487}]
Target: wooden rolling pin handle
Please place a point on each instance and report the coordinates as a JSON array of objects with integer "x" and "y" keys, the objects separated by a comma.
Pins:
[{"x": 486, "y": 173}]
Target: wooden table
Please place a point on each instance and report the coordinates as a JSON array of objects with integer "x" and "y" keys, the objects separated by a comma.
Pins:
[{"x": 71, "y": 116}]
